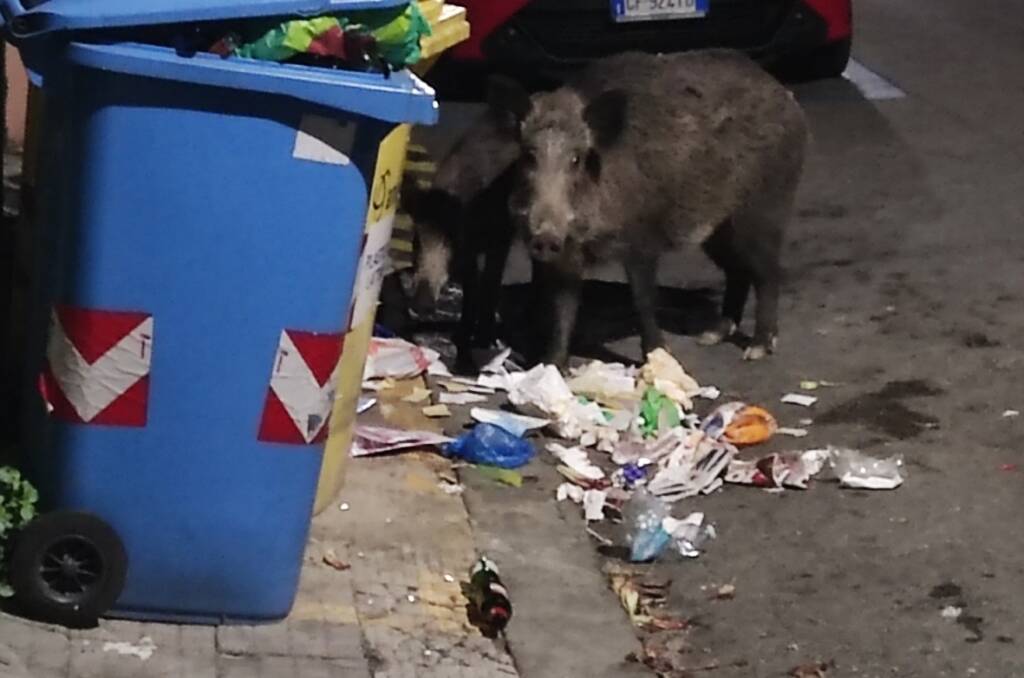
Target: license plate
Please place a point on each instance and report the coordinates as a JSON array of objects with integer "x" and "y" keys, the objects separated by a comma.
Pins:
[{"x": 658, "y": 10}]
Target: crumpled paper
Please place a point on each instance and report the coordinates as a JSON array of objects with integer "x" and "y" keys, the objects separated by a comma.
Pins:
[{"x": 664, "y": 373}]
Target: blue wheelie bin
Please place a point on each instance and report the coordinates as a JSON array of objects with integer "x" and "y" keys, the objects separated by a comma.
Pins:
[{"x": 201, "y": 225}]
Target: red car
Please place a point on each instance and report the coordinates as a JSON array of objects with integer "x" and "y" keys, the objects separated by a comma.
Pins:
[{"x": 805, "y": 39}]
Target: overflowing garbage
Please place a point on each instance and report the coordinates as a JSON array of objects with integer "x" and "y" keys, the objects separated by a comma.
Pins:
[{"x": 627, "y": 440}]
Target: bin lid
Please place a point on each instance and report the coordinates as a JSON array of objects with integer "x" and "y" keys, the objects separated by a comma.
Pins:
[{"x": 25, "y": 18}]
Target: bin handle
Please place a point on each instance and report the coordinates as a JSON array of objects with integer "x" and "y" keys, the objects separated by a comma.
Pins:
[{"x": 399, "y": 98}]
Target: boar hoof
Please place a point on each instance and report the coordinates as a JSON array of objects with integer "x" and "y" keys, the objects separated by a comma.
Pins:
[
  {"x": 759, "y": 350},
  {"x": 711, "y": 338},
  {"x": 725, "y": 329},
  {"x": 755, "y": 352}
]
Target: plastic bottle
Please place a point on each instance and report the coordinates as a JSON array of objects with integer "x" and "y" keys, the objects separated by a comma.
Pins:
[{"x": 489, "y": 596}]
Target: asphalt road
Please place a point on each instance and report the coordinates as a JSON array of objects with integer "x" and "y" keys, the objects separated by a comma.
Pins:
[{"x": 904, "y": 287}]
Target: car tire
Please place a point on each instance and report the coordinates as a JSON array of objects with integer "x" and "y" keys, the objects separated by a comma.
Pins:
[
  {"x": 67, "y": 568},
  {"x": 827, "y": 61}
]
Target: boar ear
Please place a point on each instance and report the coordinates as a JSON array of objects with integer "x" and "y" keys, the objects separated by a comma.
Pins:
[
  {"x": 505, "y": 95},
  {"x": 606, "y": 116}
]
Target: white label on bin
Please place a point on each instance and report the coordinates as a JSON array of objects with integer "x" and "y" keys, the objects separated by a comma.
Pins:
[
  {"x": 98, "y": 365},
  {"x": 373, "y": 266},
  {"x": 324, "y": 140},
  {"x": 302, "y": 385}
]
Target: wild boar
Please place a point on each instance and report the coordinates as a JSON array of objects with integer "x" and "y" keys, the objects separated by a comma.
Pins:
[
  {"x": 461, "y": 218},
  {"x": 641, "y": 153}
]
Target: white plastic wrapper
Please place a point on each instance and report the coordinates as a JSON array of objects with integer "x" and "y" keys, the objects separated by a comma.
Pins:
[{"x": 856, "y": 470}]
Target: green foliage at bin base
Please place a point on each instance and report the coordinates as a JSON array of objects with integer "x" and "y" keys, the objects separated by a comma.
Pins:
[{"x": 17, "y": 507}]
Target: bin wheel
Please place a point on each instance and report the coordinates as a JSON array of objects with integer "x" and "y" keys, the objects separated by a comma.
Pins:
[{"x": 68, "y": 568}]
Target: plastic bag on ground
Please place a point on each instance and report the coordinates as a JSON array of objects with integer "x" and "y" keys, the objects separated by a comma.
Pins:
[
  {"x": 492, "y": 446},
  {"x": 608, "y": 383},
  {"x": 643, "y": 515},
  {"x": 856, "y": 470}
]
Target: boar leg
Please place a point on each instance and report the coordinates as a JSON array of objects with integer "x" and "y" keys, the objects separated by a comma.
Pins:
[
  {"x": 559, "y": 295},
  {"x": 642, "y": 274},
  {"x": 469, "y": 277},
  {"x": 759, "y": 244},
  {"x": 496, "y": 258},
  {"x": 721, "y": 250}
]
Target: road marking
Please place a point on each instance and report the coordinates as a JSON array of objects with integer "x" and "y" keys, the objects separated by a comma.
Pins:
[{"x": 873, "y": 86}]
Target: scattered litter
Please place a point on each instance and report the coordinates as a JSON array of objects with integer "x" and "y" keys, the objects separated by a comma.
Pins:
[
  {"x": 411, "y": 598},
  {"x": 856, "y": 470},
  {"x": 418, "y": 395},
  {"x": 642, "y": 598},
  {"x": 608, "y": 383},
  {"x": 542, "y": 391},
  {"x": 600, "y": 538},
  {"x": 709, "y": 393},
  {"x": 593, "y": 505},
  {"x": 463, "y": 385},
  {"x": 692, "y": 466},
  {"x": 726, "y": 592},
  {"x": 800, "y": 399},
  {"x": 496, "y": 365},
  {"x": 397, "y": 359},
  {"x": 492, "y": 446},
  {"x": 952, "y": 612},
  {"x": 644, "y": 515},
  {"x": 1008, "y": 467},
  {"x": 379, "y": 385},
  {"x": 806, "y": 422},
  {"x": 501, "y": 475},
  {"x": 740, "y": 424},
  {"x": 570, "y": 491},
  {"x": 344, "y": 507},
  {"x": 365, "y": 404},
  {"x": 818, "y": 670},
  {"x": 462, "y": 398},
  {"x": 449, "y": 578},
  {"x": 577, "y": 460},
  {"x": 689, "y": 534},
  {"x": 664, "y": 373},
  {"x": 516, "y": 424},
  {"x": 658, "y": 413},
  {"x": 370, "y": 440},
  {"x": 144, "y": 649},
  {"x": 788, "y": 469},
  {"x": 451, "y": 488},
  {"x": 436, "y": 411},
  {"x": 331, "y": 558},
  {"x": 1011, "y": 413},
  {"x": 793, "y": 432},
  {"x": 812, "y": 385},
  {"x": 490, "y": 600}
]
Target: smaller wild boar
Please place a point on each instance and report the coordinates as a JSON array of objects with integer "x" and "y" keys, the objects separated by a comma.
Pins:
[
  {"x": 461, "y": 218},
  {"x": 640, "y": 154}
]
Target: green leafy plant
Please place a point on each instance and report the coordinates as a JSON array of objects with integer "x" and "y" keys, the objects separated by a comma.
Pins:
[{"x": 17, "y": 507}]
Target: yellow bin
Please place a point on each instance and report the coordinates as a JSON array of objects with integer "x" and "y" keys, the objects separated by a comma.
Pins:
[{"x": 448, "y": 27}]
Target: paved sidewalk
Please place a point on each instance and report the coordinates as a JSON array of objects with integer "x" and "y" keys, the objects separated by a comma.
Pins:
[{"x": 392, "y": 615}]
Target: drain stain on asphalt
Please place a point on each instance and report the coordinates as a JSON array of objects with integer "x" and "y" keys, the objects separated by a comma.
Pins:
[{"x": 885, "y": 410}]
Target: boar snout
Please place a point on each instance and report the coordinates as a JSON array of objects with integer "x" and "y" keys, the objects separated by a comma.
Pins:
[{"x": 546, "y": 246}]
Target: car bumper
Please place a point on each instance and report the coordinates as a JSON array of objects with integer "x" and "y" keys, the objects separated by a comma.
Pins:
[{"x": 550, "y": 36}]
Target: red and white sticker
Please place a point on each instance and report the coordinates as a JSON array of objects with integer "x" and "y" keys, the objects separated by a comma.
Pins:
[
  {"x": 302, "y": 385},
  {"x": 97, "y": 366}
]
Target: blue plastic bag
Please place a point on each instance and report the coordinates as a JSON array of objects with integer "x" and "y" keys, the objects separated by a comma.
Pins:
[{"x": 491, "y": 445}]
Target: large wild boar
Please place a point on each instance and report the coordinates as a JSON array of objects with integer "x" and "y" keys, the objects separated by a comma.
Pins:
[
  {"x": 461, "y": 218},
  {"x": 640, "y": 154}
]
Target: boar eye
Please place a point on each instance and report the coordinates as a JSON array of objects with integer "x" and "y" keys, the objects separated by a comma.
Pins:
[
  {"x": 529, "y": 158},
  {"x": 575, "y": 160}
]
